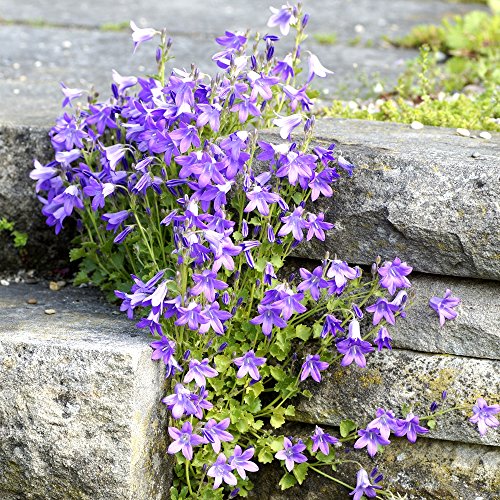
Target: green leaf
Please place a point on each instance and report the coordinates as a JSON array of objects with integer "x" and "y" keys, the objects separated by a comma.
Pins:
[
  {"x": 277, "y": 373},
  {"x": 297, "y": 197},
  {"x": 303, "y": 332},
  {"x": 277, "y": 419},
  {"x": 265, "y": 456},
  {"x": 300, "y": 472},
  {"x": 431, "y": 424},
  {"x": 222, "y": 362},
  {"x": 346, "y": 427},
  {"x": 258, "y": 424},
  {"x": 287, "y": 481},
  {"x": 317, "y": 329},
  {"x": 20, "y": 239},
  {"x": 276, "y": 444},
  {"x": 255, "y": 389},
  {"x": 290, "y": 411}
]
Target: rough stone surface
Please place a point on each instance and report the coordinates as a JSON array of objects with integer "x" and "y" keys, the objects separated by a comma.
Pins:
[
  {"x": 416, "y": 194},
  {"x": 475, "y": 332},
  {"x": 80, "y": 411},
  {"x": 427, "y": 470},
  {"x": 400, "y": 377},
  {"x": 19, "y": 204}
]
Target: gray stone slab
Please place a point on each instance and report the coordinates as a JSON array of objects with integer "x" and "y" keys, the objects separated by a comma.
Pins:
[
  {"x": 416, "y": 194},
  {"x": 31, "y": 69},
  {"x": 215, "y": 16},
  {"x": 80, "y": 411},
  {"x": 425, "y": 470},
  {"x": 475, "y": 332},
  {"x": 399, "y": 377}
]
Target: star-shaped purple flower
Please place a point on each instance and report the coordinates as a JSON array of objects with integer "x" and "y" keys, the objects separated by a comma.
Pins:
[
  {"x": 371, "y": 438},
  {"x": 321, "y": 440},
  {"x": 313, "y": 366},
  {"x": 291, "y": 454},
  {"x": 214, "y": 433},
  {"x": 248, "y": 364},
  {"x": 184, "y": 440},
  {"x": 240, "y": 460},
  {"x": 199, "y": 371},
  {"x": 363, "y": 486},
  {"x": 483, "y": 415},
  {"x": 410, "y": 427},
  {"x": 221, "y": 471},
  {"x": 383, "y": 309},
  {"x": 394, "y": 275},
  {"x": 444, "y": 306}
]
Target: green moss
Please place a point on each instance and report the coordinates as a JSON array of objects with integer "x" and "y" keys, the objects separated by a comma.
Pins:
[
  {"x": 461, "y": 112},
  {"x": 325, "y": 38}
]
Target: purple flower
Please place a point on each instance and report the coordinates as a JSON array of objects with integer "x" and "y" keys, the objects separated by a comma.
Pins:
[
  {"x": 322, "y": 440},
  {"x": 383, "y": 309},
  {"x": 180, "y": 402},
  {"x": 184, "y": 440},
  {"x": 291, "y": 454},
  {"x": 245, "y": 107},
  {"x": 69, "y": 94},
  {"x": 240, "y": 460},
  {"x": 185, "y": 136},
  {"x": 297, "y": 167},
  {"x": 259, "y": 198},
  {"x": 410, "y": 427},
  {"x": 207, "y": 283},
  {"x": 483, "y": 415},
  {"x": 216, "y": 316},
  {"x": 317, "y": 226},
  {"x": 313, "y": 366},
  {"x": 363, "y": 486},
  {"x": 284, "y": 18},
  {"x": 354, "y": 347},
  {"x": 123, "y": 82},
  {"x": 269, "y": 315},
  {"x": 287, "y": 124},
  {"x": 221, "y": 471},
  {"x": 394, "y": 275},
  {"x": 371, "y": 438},
  {"x": 163, "y": 349},
  {"x": 114, "y": 220},
  {"x": 140, "y": 35},
  {"x": 210, "y": 114},
  {"x": 114, "y": 154},
  {"x": 198, "y": 370},
  {"x": 248, "y": 364},
  {"x": 385, "y": 422},
  {"x": 120, "y": 237},
  {"x": 290, "y": 304},
  {"x": 231, "y": 40},
  {"x": 214, "y": 433},
  {"x": 313, "y": 282},
  {"x": 191, "y": 315},
  {"x": 341, "y": 272},
  {"x": 261, "y": 85},
  {"x": 383, "y": 339},
  {"x": 332, "y": 325},
  {"x": 284, "y": 69},
  {"x": 294, "y": 224},
  {"x": 99, "y": 192},
  {"x": 444, "y": 306},
  {"x": 316, "y": 68}
]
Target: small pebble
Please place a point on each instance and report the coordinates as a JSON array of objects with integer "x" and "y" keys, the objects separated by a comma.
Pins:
[
  {"x": 56, "y": 285},
  {"x": 32, "y": 301},
  {"x": 4, "y": 283},
  {"x": 463, "y": 132},
  {"x": 49, "y": 311},
  {"x": 485, "y": 135},
  {"x": 417, "y": 125}
]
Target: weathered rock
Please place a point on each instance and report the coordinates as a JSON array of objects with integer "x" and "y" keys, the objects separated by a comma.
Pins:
[
  {"x": 397, "y": 378},
  {"x": 418, "y": 195},
  {"x": 19, "y": 204},
  {"x": 438, "y": 470},
  {"x": 475, "y": 332},
  {"x": 80, "y": 411}
]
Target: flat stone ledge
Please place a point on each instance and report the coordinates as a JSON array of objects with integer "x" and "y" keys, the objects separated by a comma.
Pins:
[
  {"x": 429, "y": 469},
  {"x": 475, "y": 332},
  {"x": 80, "y": 411},
  {"x": 416, "y": 194},
  {"x": 399, "y": 377}
]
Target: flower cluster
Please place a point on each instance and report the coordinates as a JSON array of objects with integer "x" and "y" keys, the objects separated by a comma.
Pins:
[{"x": 171, "y": 185}]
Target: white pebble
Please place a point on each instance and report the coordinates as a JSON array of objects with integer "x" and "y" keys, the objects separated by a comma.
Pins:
[
  {"x": 417, "y": 125},
  {"x": 463, "y": 132},
  {"x": 49, "y": 311},
  {"x": 485, "y": 135},
  {"x": 4, "y": 283}
]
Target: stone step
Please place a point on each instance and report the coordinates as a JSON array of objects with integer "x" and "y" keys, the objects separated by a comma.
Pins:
[
  {"x": 428, "y": 469},
  {"x": 80, "y": 410},
  {"x": 417, "y": 194},
  {"x": 427, "y": 196},
  {"x": 392, "y": 380},
  {"x": 475, "y": 332}
]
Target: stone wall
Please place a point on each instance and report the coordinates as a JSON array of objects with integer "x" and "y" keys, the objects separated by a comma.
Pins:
[{"x": 69, "y": 429}]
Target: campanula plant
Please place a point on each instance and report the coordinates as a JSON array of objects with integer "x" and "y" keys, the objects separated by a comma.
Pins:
[{"x": 189, "y": 215}]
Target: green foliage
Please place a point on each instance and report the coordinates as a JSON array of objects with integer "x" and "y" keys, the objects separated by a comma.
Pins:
[
  {"x": 325, "y": 38},
  {"x": 19, "y": 239},
  {"x": 426, "y": 90}
]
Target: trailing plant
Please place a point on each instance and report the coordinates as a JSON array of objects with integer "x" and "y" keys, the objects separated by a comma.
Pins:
[
  {"x": 19, "y": 239},
  {"x": 189, "y": 214}
]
